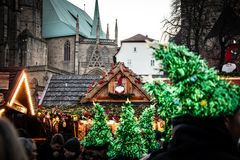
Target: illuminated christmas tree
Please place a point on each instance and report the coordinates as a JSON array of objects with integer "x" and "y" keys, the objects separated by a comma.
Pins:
[
  {"x": 100, "y": 133},
  {"x": 146, "y": 124},
  {"x": 129, "y": 142}
]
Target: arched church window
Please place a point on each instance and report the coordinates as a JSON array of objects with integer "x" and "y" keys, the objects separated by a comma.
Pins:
[
  {"x": 6, "y": 54},
  {"x": 105, "y": 55},
  {"x": 67, "y": 51},
  {"x": 90, "y": 52}
]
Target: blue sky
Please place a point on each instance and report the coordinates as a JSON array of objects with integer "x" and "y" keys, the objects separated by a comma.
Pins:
[{"x": 134, "y": 16}]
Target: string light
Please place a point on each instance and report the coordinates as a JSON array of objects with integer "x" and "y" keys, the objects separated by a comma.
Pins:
[{"x": 1, "y": 112}]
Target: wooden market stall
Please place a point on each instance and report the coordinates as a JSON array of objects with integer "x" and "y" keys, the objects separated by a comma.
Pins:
[
  {"x": 116, "y": 86},
  {"x": 16, "y": 102},
  {"x": 59, "y": 109},
  {"x": 74, "y": 95}
]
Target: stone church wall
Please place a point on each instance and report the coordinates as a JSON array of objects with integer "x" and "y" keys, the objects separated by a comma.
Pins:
[
  {"x": 56, "y": 53},
  {"x": 36, "y": 53},
  {"x": 107, "y": 52}
]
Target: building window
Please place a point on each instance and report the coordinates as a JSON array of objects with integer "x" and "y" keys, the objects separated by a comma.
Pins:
[
  {"x": 129, "y": 62},
  {"x": 67, "y": 51},
  {"x": 152, "y": 63},
  {"x": 134, "y": 49}
]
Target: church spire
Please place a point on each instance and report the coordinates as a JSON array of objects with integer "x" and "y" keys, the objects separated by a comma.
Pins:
[
  {"x": 107, "y": 33},
  {"x": 97, "y": 33},
  {"x": 116, "y": 32},
  {"x": 96, "y": 21}
]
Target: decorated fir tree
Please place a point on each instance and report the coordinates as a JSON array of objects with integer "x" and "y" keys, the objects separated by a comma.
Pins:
[
  {"x": 100, "y": 133},
  {"x": 146, "y": 124},
  {"x": 129, "y": 142},
  {"x": 163, "y": 98},
  {"x": 196, "y": 89}
]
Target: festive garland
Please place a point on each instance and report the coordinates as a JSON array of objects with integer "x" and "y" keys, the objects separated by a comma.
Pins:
[{"x": 85, "y": 112}]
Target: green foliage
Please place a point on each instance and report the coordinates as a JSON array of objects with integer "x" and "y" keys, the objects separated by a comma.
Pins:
[
  {"x": 146, "y": 124},
  {"x": 196, "y": 90},
  {"x": 100, "y": 133},
  {"x": 129, "y": 142}
]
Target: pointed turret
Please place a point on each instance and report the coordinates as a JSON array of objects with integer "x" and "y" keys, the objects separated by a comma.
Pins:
[
  {"x": 97, "y": 33},
  {"x": 96, "y": 21},
  {"x": 116, "y": 32},
  {"x": 76, "y": 47},
  {"x": 77, "y": 29},
  {"x": 107, "y": 35}
]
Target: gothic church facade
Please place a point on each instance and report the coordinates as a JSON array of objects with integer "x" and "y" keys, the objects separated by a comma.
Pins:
[{"x": 53, "y": 37}]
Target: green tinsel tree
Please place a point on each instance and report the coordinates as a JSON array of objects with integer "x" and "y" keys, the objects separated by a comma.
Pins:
[
  {"x": 146, "y": 124},
  {"x": 196, "y": 89},
  {"x": 100, "y": 133},
  {"x": 129, "y": 142},
  {"x": 163, "y": 98}
]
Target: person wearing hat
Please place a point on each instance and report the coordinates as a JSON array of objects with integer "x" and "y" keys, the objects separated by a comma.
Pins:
[
  {"x": 72, "y": 149},
  {"x": 52, "y": 150},
  {"x": 201, "y": 110}
]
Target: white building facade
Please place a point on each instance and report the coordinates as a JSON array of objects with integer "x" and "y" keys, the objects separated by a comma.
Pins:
[{"x": 136, "y": 55}]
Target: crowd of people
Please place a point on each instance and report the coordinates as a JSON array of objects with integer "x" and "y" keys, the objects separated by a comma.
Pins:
[
  {"x": 17, "y": 145},
  {"x": 194, "y": 139}
]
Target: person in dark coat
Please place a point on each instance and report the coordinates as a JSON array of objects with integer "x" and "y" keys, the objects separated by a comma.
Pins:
[
  {"x": 52, "y": 150},
  {"x": 10, "y": 147},
  {"x": 202, "y": 106},
  {"x": 95, "y": 152},
  {"x": 30, "y": 147},
  {"x": 203, "y": 138},
  {"x": 72, "y": 149}
]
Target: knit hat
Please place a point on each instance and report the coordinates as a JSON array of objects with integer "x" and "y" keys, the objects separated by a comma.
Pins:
[
  {"x": 57, "y": 139},
  {"x": 72, "y": 145}
]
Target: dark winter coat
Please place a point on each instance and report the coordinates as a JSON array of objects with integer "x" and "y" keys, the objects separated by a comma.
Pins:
[
  {"x": 200, "y": 139},
  {"x": 45, "y": 152}
]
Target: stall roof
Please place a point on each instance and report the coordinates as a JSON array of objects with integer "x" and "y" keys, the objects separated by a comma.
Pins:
[{"x": 66, "y": 90}]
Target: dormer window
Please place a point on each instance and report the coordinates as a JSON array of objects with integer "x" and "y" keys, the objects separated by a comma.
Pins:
[
  {"x": 152, "y": 63},
  {"x": 129, "y": 62},
  {"x": 134, "y": 49}
]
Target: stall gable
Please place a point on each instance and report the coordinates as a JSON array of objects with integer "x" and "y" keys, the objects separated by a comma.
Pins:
[
  {"x": 19, "y": 97},
  {"x": 116, "y": 86}
]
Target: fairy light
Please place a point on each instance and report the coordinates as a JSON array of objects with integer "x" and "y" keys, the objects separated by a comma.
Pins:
[
  {"x": 1, "y": 112},
  {"x": 48, "y": 115},
  {"x": 57, "y": 119}
]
